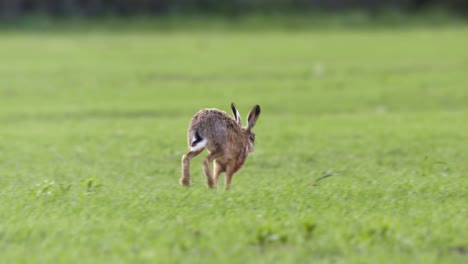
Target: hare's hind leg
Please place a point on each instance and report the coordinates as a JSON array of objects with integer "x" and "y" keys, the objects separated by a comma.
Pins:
[
  {"x": 185, "y": 179},
  {"x": 206, "y": 167}
]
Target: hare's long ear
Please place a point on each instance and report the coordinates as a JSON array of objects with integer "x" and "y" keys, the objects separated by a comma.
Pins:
[
  {"x": 236, "y": 114},
  {"x": 253, "y": 115}
]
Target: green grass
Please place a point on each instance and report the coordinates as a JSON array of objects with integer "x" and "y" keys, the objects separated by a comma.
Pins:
[{"x": 361, "y": 152}]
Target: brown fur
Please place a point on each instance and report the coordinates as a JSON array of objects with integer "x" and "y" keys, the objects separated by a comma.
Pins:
[{"x": 227, "y": 142}]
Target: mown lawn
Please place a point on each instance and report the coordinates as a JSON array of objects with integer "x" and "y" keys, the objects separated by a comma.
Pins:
[{"x": 361, "y": 150}]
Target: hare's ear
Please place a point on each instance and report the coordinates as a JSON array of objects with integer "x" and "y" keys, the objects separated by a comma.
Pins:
[
  {"x": 236, "y": 114},
  {"x": 253, "y": 115}
]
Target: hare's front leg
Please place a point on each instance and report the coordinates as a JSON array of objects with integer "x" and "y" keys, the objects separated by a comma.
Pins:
[
  {"x": 206, "y": 167},
  {"x": 230, "y": 170},
  {"x": 217, "y": 170},
  {"x": 227, "y": 181},
  {"x": 185, "y": 179}
]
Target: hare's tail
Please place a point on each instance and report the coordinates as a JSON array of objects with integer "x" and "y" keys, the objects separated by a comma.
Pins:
[{"x": 198, "y": 142}]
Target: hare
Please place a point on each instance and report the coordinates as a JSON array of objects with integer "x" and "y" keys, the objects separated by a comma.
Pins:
[{"x": 227, "y": 142}]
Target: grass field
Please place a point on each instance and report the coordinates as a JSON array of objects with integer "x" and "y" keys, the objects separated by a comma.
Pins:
[{"x": 361, "y": 150}]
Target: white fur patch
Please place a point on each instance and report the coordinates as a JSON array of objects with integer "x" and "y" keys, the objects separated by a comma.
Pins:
[
  {"x": 199, "y": 145},
  {"x": 238, "y": 117}
]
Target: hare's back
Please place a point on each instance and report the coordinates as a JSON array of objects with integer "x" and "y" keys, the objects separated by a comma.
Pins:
[
  {"x": 213, "y": 125},
  {"x": 210, "y": 117}
]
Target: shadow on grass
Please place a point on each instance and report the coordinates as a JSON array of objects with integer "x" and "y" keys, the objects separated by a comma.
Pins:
[{"x": 285, "y": 21}]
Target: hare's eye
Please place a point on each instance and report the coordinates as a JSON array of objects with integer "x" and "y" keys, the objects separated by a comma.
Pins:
[{"x": 252, "y": 137}]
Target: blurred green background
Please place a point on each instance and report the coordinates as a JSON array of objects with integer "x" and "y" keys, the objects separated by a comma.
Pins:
[
  {"x": 361, "y": 146},
  {"x": 15, "y": 8}
]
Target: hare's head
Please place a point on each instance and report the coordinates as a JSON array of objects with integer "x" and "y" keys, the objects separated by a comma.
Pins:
[{"x": 247, "y": 131}]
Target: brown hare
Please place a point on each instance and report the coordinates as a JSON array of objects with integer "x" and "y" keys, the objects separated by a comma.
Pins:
[{"x": 227, "y": 142}]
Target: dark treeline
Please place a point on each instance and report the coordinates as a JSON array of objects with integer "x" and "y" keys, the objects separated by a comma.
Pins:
[{"x": 16, "y": 8}]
